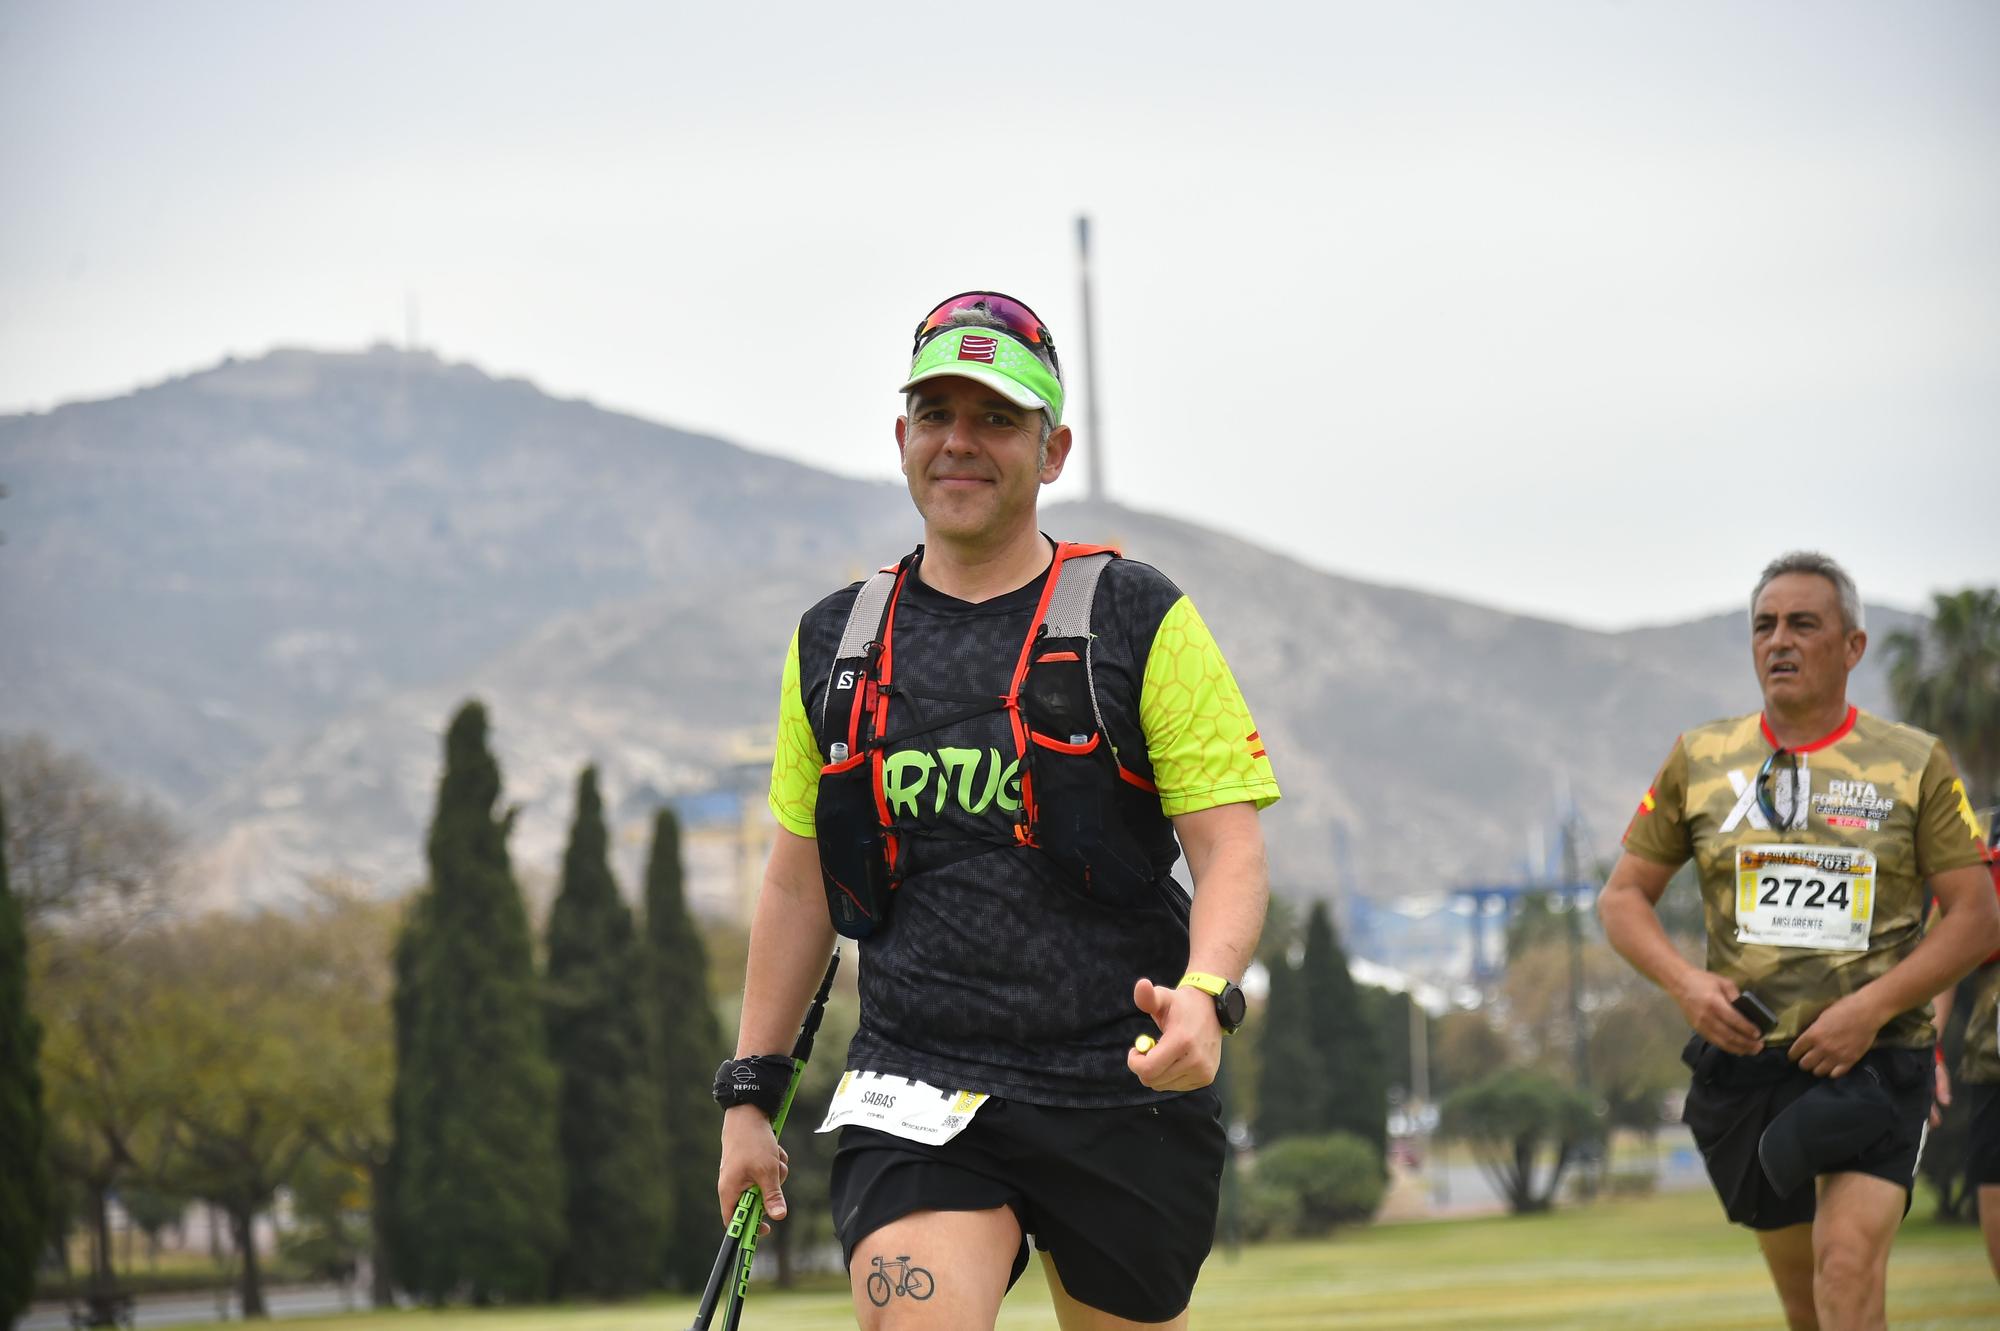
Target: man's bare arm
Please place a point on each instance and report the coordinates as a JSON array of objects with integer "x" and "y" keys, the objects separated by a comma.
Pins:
[
  {"x": 790, "y": 936},
  {"x": 1225, "y": 853},
  {"x": 1628, "y": 908},
  {"x": 1967, "y": 932}
]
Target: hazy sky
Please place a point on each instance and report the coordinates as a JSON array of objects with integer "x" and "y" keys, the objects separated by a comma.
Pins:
[{"x": 1580, "y": 308}]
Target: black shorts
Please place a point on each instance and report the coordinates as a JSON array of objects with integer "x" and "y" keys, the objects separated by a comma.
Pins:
[
  {"x": 1982, "y": 1141},
  {"x": 1733, "y": 1099},
  {"x": 1123, "y": 1200}
]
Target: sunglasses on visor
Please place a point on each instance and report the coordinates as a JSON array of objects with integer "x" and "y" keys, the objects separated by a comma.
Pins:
[{"x": 1011, "y": 315}]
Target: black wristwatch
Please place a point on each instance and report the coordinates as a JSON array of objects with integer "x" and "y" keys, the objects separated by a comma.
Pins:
[{"x": 1230, "y": 1004}]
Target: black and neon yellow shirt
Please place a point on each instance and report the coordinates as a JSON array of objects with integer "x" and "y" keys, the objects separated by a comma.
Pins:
[
  {"x": 1806, "y": 913},
  {"x": 991, "y": 975}
]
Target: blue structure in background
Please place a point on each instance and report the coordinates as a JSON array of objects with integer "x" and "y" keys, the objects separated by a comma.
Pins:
[
  {"x": 1559, "y": 877},
  {"x": 1422, "y": 936},
  {"x": 1486, "y": 967},
  {"x": 708, "y": 807}
]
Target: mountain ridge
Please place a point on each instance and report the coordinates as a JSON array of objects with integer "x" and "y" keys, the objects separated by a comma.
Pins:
[{"x": 258, "y": 591}]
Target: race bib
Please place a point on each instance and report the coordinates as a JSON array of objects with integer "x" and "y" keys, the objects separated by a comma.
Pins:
[
  {"x": 1821, "y": 897},
  {"x": 900, "y": 1107}
]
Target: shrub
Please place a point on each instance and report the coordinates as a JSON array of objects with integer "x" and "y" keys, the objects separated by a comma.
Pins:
[
  {"x": 1307, "y": 1185},
  {"x": 1632, "y": 1183},
  {"x": 1511, "y": 1120}
]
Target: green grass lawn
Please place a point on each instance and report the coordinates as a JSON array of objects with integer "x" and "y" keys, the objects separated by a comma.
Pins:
[{"x": 1629, "y": 1265}]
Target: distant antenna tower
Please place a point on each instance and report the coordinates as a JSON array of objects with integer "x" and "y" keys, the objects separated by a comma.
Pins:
[{"x": 1093, "y": 443}]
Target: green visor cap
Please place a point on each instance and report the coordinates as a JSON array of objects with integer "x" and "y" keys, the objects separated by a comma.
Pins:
[{"x": 991, "y": 357}]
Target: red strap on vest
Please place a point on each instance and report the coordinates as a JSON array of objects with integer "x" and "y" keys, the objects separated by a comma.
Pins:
[
  {"x": 1024, "y": 831},
  {"x": 872, "y": 701}
]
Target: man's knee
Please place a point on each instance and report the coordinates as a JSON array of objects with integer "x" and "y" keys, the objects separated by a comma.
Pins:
[
  {"x": 1795, "y": 1286},
  {"x": 1850, "y": 1283},
  {"x": 1858, "y": 1215},
  {"x": 1849, "y": 1262}
]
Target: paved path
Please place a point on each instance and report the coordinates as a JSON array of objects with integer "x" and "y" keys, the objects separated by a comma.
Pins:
[{"x": 180, "y": 1309}]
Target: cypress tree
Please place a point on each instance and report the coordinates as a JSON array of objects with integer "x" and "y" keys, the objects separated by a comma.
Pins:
[
  {"x": 1287, "y": 1064},
  {"x": 1347, "y": 1080},
  {"x": 614, "y": 1154},
  {"x": 479, "y": 1190},
  {"x": 409, "y": 1099},
  {"x": 24, "y": 1200},
  {"x": 687, "y": 1043}
]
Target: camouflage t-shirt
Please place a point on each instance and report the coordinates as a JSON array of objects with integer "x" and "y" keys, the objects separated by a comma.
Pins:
[
  {"x": 990, "y": 975},
  {"x": 1979, "y": 1061},
  {"x": 1807, "y": 913}
]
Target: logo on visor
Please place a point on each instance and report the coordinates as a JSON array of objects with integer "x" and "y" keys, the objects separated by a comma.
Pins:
[{"x": 978, "y": 348}]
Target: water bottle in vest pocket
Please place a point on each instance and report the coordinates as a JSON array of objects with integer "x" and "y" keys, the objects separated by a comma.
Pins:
[
  {"x": 853, "y": 848},
  {"x": 1074, "y": 779}
]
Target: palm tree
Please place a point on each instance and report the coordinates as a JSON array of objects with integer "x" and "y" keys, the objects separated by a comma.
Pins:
[{"x": 1946, "y": 679}]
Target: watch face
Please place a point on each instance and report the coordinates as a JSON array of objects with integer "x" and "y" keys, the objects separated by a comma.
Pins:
[{"x": 1233, "y": 1006}]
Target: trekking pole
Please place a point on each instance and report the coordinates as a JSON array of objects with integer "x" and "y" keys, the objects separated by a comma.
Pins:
[{"x": 739, "y": 1240}]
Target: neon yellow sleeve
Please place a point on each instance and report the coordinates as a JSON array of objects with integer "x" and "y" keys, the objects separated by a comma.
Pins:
[
  {"x": 1203, "y": 745},
  {"x": 795, "y": 761}
]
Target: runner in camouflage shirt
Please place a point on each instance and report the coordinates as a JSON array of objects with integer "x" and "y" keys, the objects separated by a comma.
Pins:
[
  {"x": 1978, "y": 1079},
  {"x": 1814, "y": 829},
  {"x": 1979, "y": 1061},
  {"x": 1869, "y": 779}
]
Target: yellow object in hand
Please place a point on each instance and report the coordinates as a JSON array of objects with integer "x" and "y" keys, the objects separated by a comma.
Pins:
[{"x": 1144, "y": 1044}]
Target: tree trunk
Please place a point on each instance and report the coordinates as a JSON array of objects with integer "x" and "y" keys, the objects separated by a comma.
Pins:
[
  {"x": 243, "y": 1225},
  {"x": 215, "y": 1255},
  {"x": 381, "y": 1276},
  {"x": 1521, "y": 1179},
  {"x": 1563, "y": 1152},
  {"x": 62, "y": 1227},
  {"x": 101, "y": 1275}
]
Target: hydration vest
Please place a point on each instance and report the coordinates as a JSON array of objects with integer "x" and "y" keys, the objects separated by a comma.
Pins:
[{"x": 1078, "y": 804}]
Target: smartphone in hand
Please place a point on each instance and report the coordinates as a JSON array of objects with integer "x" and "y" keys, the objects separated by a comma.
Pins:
[{"x": 1757, "y": 1010}]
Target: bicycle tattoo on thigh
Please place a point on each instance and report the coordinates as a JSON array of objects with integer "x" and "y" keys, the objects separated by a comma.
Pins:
[{"x": 911, "y": 1280}]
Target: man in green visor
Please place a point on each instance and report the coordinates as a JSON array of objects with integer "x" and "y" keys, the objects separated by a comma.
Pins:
[
  {"x": 1814, "y": 828},
  {"x": 989, "y": 757}
]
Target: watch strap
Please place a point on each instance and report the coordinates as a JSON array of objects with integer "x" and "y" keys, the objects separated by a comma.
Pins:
[{"x": 1221, "y": 991}]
